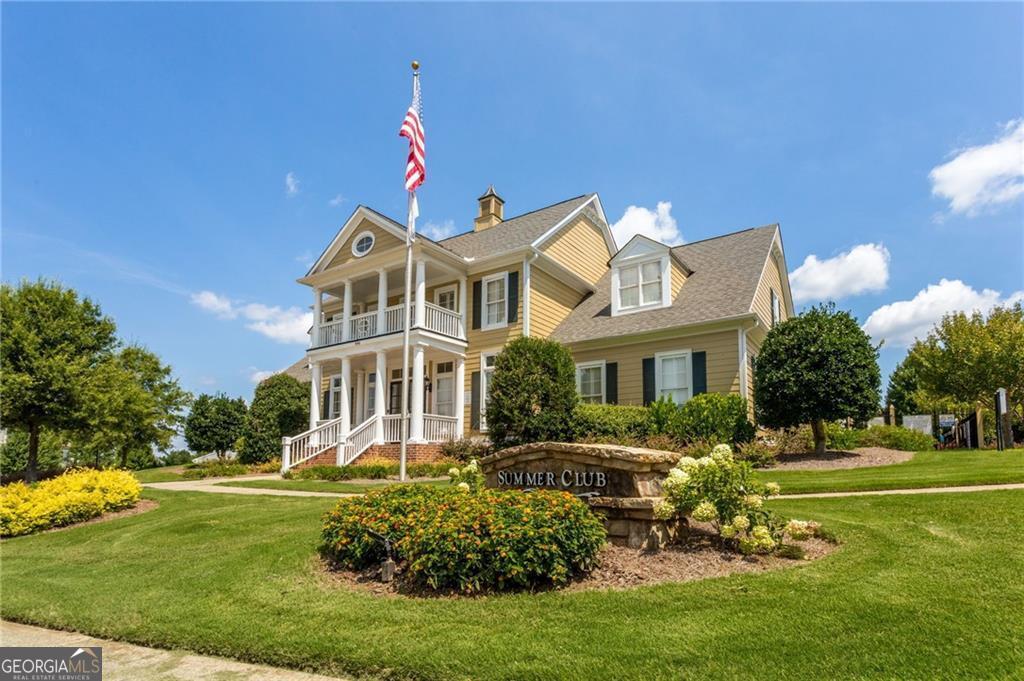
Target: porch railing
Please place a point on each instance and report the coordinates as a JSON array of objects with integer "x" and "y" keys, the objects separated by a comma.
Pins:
[
  {"x": 359, "y": 440},
  {"x": 442, "y": 320},
  {"x": 303, "y": 447},
  {"x": 393, "y": 427},
  {"x": 437, "y": 428}
]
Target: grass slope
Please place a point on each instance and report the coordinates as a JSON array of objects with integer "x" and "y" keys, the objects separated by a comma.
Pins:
[
  {"x": 163, "y": 474},
  {"x": 924, "y": 587},
  {"x": 927, "y": 469},
  {"x": 341, "y": 487}
]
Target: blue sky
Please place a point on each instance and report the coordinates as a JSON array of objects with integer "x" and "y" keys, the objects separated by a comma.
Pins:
[{"x": 147, "y": 148}]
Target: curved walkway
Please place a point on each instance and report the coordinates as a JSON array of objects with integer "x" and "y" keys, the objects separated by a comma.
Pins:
[
  {"x": 919, "y": 490},
  {"x": 127, "y": 662},
  {"x": 210, "y": 485}
]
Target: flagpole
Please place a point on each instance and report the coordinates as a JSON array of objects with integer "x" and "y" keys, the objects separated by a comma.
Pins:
[{"x": 409, "y": 232}]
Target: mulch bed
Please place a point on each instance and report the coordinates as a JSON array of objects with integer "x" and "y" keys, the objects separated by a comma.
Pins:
[
  {"x": 856, "y": 458},
  {"x": 620, "y": 568}
]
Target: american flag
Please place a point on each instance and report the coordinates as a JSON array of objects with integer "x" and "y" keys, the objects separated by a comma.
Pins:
[{"x": 412, "y": 128}]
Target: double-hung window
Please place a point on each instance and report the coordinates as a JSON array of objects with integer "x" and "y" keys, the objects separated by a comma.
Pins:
[
  {"x": 673, "y": 376},
  {"x": 639, "y": 285},
  {"x": 486, "y": 371},
  {"x": 334, "y": 402},
  {"x": 444, "y": 389},
  {"x": 590, "y": 382},
  {"x": 495, "y": 296}
]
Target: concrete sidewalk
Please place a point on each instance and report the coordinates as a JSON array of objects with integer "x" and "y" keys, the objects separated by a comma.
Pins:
[
  {"x": 210, "y": 485},
  {"x": 922, "y": 490},
  {"x": 127, "y": 662}
]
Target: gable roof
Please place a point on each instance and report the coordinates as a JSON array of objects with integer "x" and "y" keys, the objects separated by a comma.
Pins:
[
  {"x": 514, "y": 233},
  {"x": 725, "y": 272}
]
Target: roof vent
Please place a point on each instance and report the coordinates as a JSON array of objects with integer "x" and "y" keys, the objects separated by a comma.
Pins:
[{"x": 492, "y": 210}]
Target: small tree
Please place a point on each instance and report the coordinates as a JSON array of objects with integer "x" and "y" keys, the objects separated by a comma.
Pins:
[
  {"x": 279, "y": 408},
  {"x": 51, "y": 343},
  {"x": 902, "y": 392},
  {"x": 815, "y": 368},
  {"x": 532, "y": 393},
  {"x": 215, "y": 423}
]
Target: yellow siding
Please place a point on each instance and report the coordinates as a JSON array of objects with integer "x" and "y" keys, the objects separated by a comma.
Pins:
[
  {"x": 382, "y": 241},
  {"x": 678, "y": 276},
  {"x": 478, "y": 341},
  {"x": 551, "y": 301},
  {"x": 580, "y": 246},
  {"x": 722, "y": 361},
  {"x": 770, "y": 280}
]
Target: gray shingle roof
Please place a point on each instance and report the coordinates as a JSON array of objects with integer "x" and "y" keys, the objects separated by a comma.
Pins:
[
  {"x": 513, "y": 233},
  {"x": 726, "y": 270}
]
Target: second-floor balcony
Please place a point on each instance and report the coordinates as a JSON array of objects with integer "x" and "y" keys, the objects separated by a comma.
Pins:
[{"x": 375, "y": 323}]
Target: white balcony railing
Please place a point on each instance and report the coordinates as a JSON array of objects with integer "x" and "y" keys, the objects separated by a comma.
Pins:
[{"x": 361, "y": 326}]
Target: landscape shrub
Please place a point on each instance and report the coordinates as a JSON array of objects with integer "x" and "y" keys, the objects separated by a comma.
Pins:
[
  {"x": 374, "y": 469},
  {"x": 841, "y": 438},
  {"x": 757, "y": 453},
  {"x": 722, "y": 491},
  {"x": 468, "y": 478},
  {"x": 531, "y": 393},
  {"x": 714, "y": 418},
  {"x": 280, "y": 407},
  {"x": 451, "y": 539},
  {"x": 213, "y": 469},
  {"x": 465, "y": 449},
  {"x": 617, "y": 423},
  {"x": 69, "y": 498},
  {"x": 896, "y": 437}
]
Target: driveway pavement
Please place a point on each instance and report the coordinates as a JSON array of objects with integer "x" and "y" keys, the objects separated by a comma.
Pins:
[{"x": 127, "y": 662}]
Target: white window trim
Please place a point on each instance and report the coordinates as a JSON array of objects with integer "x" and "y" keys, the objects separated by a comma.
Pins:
[
  {"x": 659, "y": 356},
  {"x": 666, "y": 285},
  {"x": 452, "y": 288},
  {"x": 482, "y": 401},
  {"x": 484, "y": 326},
  {"x": 330, "y": 395},
  {"x": 604, "y": 375},
  {"x": 435, "y": 392},
  {"x": 358, "y": 238}
]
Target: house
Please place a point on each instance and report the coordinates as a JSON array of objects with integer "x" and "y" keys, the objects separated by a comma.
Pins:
[{"x": 642, "y": 321}]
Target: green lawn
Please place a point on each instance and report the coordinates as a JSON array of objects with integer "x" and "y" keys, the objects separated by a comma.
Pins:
[
  {"x": 341, "y": 487},
  {"x": 923, "y": 587},
  {"x": 926, "y": 469},
  {"x": 163, "y": 474}
]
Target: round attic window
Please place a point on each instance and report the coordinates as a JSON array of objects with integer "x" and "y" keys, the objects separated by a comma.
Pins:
[{"x": 362, "y": 244}]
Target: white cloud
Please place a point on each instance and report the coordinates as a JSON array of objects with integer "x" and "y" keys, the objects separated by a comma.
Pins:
[
  {"x": 207, "y": 380},
  {"x": 438, "y": 231},
  {"x": 259, "y": 375},
  {"x": 306, "y": 258},
  {"x": 984, "y": 176},
  {"x": 657, "y": 224},
  {"x": 284, "y": 325},
  {"x": 337, "y": 200},
  {"x": 902, "y": 322},
  {"x": 291, "y": 184},
  {"x": 861, "y": 269}
]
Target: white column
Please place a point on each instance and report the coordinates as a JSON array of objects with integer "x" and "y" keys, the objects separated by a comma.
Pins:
[
  {"x": 460, "y": 396},
  {"x": 421, "y": 294},
  {"x": 382, "y": 301},
  {"x": 463, "y": 305},
  {"x": 314, "y": 394},
  {"x": 378, "y": 395},
  {"x": 346, "y": 310},
  {"x": 360, "y": 384},
  {"x": 416, "y": 423},
  {"x": 346, "y": 381},
  {"x": 317, "y": 317}
]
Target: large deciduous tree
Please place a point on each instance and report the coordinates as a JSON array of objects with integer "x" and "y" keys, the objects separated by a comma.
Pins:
[
  {"x": 51, "y": 344},
  {"x": 215, "y": 423},
  {"x": 817, "y": 367},
  {"x": 280, "y": 407},
  {"x": 531, "y": 393}
]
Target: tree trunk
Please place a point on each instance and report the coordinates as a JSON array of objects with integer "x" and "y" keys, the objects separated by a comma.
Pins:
[
  {"x": 32, "y": 467},
  {"x": 818, "y": 428},
  {"x": 124, "y": 458}
]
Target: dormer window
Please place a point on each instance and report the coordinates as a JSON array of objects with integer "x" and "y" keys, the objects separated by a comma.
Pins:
[{"x": 641, "y": 276}]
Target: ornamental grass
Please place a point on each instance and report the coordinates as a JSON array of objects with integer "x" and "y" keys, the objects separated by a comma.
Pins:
[{"x": 69, "y": 498}]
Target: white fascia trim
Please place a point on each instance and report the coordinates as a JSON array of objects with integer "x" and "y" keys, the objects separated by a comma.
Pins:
[
  {"x": 605, "y": 230},
  {"x": 783, "y": 273},
  {"x": 357, "y": 215},
  {"x": 590, "y": 365}
]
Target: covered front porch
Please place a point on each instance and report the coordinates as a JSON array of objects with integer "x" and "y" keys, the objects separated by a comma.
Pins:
[{"x": 356, "y": 401}]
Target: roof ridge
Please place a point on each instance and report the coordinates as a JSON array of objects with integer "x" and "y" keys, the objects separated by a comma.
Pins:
[
  {"x": 521, "y": 215},
  {"x": 727, "y": 234}
]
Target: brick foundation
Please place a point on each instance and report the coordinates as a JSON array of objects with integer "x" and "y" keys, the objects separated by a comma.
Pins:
[{"x": 415, "y": 453}]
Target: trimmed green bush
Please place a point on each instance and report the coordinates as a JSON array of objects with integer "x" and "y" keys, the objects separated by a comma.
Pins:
[
  {"x": 896, "y": 437},
  {"x": 370, "y": 471},
  {"x": 713, "y": 418},
  {"x": 532, "y": 393},
  {"x": 619, "y": 422},
  {"x": 214, "y": 469},
  {"x": 465, "y": 449},
  {"x": 451, "y": 539}
]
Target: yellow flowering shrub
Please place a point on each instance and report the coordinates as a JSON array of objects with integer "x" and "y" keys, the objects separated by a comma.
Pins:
[{"x": 69, "y": 498}]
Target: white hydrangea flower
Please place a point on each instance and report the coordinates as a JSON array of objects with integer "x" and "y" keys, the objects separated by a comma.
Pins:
[
  {"x": 686, "y": 463},
  {"x": 754, "y": 500},
  {"x": 802, "y": 529},
  {"x": 677, "y": 473},
  {"x": 722, "y": 453},
  {"x": 727, "y": 531},
  {"x": 663, "y": 510},
  {"x": 705, "y": 512},
  {"x": 471, "y": 468},
  {"x": 773, "y": 488},
  {"x": 453, "y": 472},
  {"x": 741, "y": 523},
  {"x": 704, "y": 461},
  {"x": 464, "y": 486}
]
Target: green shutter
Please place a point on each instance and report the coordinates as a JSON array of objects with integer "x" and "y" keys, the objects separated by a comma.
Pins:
[
  {"x": 611, "y": 383},
  {"x": 477, "y": 289},
  {"x": 513, "y": 297},
  {"x": 474, "y": 401},
  {"x": 648, "y": 380},
  {"x": 700, "y": 373}
]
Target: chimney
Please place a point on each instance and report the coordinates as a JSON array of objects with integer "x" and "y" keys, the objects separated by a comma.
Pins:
[{"x": 492, "y": 210}]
